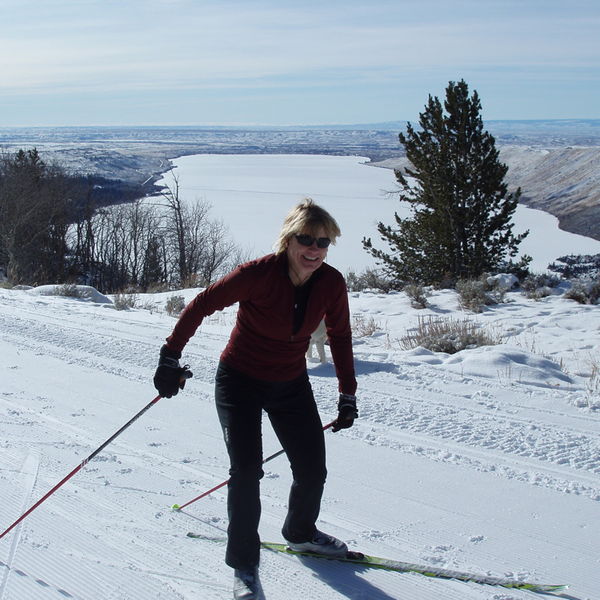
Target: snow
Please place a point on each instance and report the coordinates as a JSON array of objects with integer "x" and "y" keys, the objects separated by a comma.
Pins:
[
  {"x": 261, "y": 188},
  {"x": 487, "y": 460},
  {"x": 84, "y": 293}
]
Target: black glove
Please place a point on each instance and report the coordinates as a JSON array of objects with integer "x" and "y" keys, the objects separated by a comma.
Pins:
[
  {"x": 170, "y": 376},
  {"x": 347, "y": 412}
]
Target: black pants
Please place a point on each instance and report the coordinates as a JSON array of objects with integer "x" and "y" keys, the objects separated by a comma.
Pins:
[{"x": 293, "y": 413}]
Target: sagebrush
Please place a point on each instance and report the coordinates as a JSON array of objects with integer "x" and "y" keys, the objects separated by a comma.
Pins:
[
  {"x": 371, "y": 279},
  {"x": 584, "y": 292},
  {"x": 125, "y": 301},
  {"x": 363, "y": 326},
  {"x": 417, "y": 295},
  {"x": 448, "y": 335},
  {"x": 174, "y": 305},
  {"x": 475, "y": 294},
  {"x": 539, "y": 285}
]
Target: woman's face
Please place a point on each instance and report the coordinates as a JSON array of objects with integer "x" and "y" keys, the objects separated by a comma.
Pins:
[{"x": 305, "y": 260}]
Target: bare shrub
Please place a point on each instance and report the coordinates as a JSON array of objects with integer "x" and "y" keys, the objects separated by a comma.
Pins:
[
  {"x": 584, "y": 292},
  {"x": 447, "y": 335},
  {"x": 69, "y": 290},
  {"x": 474, "y": 294},
  {"x": 417, "y": 295},
  {"x": 593, "y": 385},
  {"x": 538, "y": 286},
  {"x": 363, "y": 327},
  {"x": 370, "y": 279},
  {"x": 174, "y": 305},
  {"x": 125, "y": 301},
  {"x": 577, "y": 293}
]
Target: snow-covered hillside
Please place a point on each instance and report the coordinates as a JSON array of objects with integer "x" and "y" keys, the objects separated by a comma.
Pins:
[{"x": 487, "y": 460}]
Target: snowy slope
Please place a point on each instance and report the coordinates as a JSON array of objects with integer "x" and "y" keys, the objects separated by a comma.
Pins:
[{"x": 488, "y": 460}]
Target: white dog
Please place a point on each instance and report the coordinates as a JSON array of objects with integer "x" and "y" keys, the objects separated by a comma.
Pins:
[{"x": 318, "y": 339}]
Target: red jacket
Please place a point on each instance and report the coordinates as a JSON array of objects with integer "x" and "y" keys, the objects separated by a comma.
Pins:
[{"x": 261, "y": 344}]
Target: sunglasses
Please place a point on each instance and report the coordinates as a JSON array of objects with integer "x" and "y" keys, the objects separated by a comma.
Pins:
[{"x": 308, "y": 240}]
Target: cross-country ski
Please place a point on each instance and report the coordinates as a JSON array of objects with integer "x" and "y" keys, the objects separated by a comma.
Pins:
[{"x": 386, "y": 564}]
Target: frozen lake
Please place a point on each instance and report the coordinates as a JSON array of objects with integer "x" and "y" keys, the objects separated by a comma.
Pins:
[{"x": 252, "y": 193}]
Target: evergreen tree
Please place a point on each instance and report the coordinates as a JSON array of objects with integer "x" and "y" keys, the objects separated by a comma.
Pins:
[
  {"x": 34, "y": 217},
  {"x": 461, "y": 223},
  {"x": 153, "y": 271}
]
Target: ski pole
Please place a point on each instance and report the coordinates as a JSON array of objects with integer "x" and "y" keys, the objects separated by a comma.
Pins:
[
  {"x": 223, "y": 483},
  {"x": 186, "y": 375}
]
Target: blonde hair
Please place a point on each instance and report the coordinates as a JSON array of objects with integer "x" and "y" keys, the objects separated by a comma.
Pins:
[{"x": 306, "y": 217}]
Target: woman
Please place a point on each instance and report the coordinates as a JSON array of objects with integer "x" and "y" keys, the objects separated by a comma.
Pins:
[{"x": 282, "y": 298}]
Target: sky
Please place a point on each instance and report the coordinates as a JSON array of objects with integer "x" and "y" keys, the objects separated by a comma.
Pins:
[{"x": 279, "y": 62}]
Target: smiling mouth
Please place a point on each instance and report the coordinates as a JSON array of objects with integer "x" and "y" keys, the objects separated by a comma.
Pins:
[{"x": 310, "y": 259}]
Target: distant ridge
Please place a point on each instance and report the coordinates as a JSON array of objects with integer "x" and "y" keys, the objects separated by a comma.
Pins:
[
  {"x": 540, "y": 125},
  {"x": 559, "y": 125}
]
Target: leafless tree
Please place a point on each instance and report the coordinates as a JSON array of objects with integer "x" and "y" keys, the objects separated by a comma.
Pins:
[{"x": 201, "y": 246}]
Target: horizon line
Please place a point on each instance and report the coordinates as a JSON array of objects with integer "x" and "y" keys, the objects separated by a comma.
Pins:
[{"x": 374, "y": 124}]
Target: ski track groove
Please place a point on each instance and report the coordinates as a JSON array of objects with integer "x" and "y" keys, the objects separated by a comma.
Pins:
[
  {"x": 569, "y": 448},
  {"x": 43, "y": 584},
  {"x": 30, "y": 469},
  {"x": 91, "y": 348},
  {"x": 122, "y": 457}
]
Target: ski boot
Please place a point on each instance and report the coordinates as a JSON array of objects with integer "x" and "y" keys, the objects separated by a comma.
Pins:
[
  {"x": 245, "y": 584},
  {"x": 322, "y": 543}
]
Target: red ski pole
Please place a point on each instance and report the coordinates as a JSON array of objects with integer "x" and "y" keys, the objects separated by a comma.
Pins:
[
  {"x": 223, "y": 483},
  {"x": 185, "y": 375}
]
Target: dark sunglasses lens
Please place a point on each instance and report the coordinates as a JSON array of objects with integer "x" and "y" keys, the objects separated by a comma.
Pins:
[
  {"x": 308, "y": 240},
  {"x": 305, "y": 240}
]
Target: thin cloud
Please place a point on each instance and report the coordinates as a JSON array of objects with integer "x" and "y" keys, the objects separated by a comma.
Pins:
[{"x": 105, "y": 46}]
